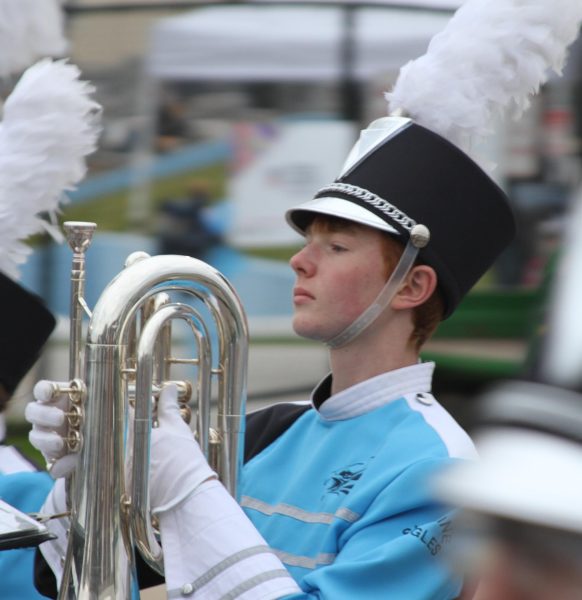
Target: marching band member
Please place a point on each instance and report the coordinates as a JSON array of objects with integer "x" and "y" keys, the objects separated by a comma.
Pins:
[
  {"x": 22, "y": 484},
  {"x": 48, "y": 127},
  {"x": 334, "y": 495},
  {"x": 520, "y": 532}
]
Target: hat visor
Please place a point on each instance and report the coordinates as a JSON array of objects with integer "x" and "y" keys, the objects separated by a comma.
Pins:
[
  {"x": 301, "y": 216},
  {"x": 523, "y": 475}
]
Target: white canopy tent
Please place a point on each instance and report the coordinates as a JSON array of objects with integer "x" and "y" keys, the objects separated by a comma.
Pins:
[{"x": 287, "y": 43}]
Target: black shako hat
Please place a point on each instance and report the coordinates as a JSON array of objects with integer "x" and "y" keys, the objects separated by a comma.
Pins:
[
  {"x": 26, "y": 326},
  {"x": 400, "y": 174}
]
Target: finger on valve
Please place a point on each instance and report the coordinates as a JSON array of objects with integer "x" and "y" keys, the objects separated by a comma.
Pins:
[
  {"x": 63, "y": 466},
  {"x": 168, "y": 409},
  {"x": 49, "y": 419},
  {"x": 48, "y": 392}
]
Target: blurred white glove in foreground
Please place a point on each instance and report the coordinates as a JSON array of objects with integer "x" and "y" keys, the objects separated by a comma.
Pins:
[
  {"x": 177, "y": 464},
  {"x": 48, "y": 418}
]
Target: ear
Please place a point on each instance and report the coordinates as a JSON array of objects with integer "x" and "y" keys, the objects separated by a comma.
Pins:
[{"x": 416, "y": 289}]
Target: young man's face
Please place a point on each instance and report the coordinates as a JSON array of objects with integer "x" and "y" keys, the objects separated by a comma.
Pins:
[{"x": 340, "y": 271}]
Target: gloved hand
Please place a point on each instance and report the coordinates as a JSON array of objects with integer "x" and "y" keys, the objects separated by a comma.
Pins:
[
  {"x": 47, "y": 415},
  {"x": 177, "y": 464}
]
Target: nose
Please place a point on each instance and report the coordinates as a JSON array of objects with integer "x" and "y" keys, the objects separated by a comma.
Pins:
[{"x": 302, "y": 263}]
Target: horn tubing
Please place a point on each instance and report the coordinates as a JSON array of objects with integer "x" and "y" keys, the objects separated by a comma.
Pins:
[
  {"x": 100, "y": 541},
  {"x": 142, "y": 530}
]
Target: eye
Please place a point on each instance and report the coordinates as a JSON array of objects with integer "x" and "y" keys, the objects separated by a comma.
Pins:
[{"x": 337, "y": 248}]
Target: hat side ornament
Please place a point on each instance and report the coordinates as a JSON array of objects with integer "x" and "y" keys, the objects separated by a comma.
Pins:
[{"x": 415, "y": 166}]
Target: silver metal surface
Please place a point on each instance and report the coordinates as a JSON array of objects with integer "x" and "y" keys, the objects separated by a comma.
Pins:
[
  {"x": 109, "y": 517},
  {"x": 420, "y": 235},
  {"x": 79, "y": 236}
]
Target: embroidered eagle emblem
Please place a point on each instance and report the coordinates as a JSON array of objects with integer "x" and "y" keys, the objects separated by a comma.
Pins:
[{"x": 343, "y": 480}]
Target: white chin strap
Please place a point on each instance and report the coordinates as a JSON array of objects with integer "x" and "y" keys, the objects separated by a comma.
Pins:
[{"x": 419, "y": 237}]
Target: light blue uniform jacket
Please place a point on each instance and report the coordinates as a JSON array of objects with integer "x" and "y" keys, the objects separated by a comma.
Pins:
[
  {"x": 26, "y": 489},
  {"x": 343, "y": 495}
]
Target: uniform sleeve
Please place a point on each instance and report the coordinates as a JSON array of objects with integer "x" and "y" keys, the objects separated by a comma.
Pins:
[
  {"x": 211, "y": 550},
  {"x": 26, "y": 491},
  {"x": 394, "y": 550}
]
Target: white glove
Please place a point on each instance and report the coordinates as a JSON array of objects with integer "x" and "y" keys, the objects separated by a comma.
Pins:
[
  {"x": 49, "y": 429},
  {"x": 177, "y": 464},
  {"x": 54, "y": 550}
]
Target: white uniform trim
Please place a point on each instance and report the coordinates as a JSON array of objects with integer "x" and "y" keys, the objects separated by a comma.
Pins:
[
  {"x": 218, "y": 569},
  {"x": 298, "y": 513},
  {"x": 377, "y": 391},
  {"x": 456, "y": 440},
  {"x": 306, "y": 562},
  {"x": 11, "y": 461}
]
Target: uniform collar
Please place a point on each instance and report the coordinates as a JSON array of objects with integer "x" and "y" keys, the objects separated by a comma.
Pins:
[{"x": 372, "y": 393}]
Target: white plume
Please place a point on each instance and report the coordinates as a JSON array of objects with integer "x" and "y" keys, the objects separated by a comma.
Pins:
[
  {"x": 29, "y": 30},
  {"x": 50, "y": 124},
  {"x": 491, "y": 57}
]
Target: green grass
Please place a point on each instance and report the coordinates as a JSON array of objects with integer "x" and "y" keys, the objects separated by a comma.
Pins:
[
  {"x": 110, "y": 212},
  {"x": 18, "y": 437}
]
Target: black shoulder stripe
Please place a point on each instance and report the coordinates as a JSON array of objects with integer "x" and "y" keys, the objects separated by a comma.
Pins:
[
  {"x": 264, "y": 426},
  {"x": 30, "y": 460}
]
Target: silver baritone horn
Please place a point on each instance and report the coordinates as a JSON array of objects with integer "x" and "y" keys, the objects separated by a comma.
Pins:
[{"x": 125, "y": 361}]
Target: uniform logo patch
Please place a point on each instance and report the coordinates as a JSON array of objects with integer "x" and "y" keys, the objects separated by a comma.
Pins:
[{"x": 343, "y": 480}]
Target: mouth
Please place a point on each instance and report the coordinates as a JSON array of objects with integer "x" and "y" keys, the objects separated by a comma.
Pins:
[{"x": 301, "y": 295}]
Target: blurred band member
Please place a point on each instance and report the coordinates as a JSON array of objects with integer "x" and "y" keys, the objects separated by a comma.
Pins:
[
  {"x": 26, "y": 324},
  {"x": 520, "y": 535}
]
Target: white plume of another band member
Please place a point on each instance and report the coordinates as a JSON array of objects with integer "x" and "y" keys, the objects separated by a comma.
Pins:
[
  {"x": 29, "y": 30},
  {"x": 50, "y": 124}
]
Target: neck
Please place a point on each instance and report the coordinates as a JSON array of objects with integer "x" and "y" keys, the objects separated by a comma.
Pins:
[{"x": 375, "y": 351}]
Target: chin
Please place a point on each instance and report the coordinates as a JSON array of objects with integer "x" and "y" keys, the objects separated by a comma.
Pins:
[{"x": 308, "y": 330}]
